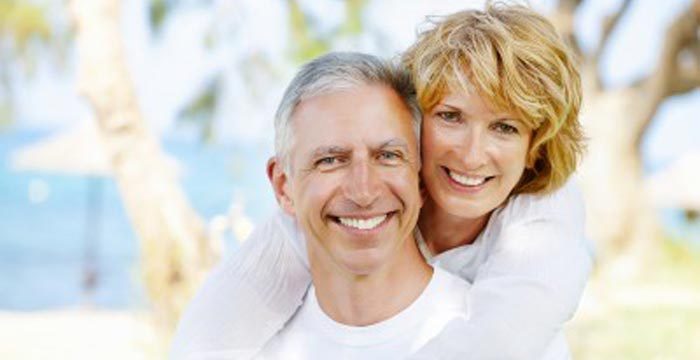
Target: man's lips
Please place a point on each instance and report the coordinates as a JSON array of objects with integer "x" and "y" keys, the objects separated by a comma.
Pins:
[{"x": 363, "y": 222}]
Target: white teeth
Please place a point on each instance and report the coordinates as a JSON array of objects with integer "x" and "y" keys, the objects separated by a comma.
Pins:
[
  {"x": 362, "y": 224},
  {"x": 467, "y": 180}
]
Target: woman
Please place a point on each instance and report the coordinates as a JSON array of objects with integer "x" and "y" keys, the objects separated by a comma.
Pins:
[{"x": 500, "y": 138}]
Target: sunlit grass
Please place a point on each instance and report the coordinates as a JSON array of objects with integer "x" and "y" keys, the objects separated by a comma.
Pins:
[
  {"x": 663, "y": 332},
  {"x": 655, "y": 316}
]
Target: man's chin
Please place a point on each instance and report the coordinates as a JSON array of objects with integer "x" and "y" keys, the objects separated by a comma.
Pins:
[{"x": 364, "y": 262}]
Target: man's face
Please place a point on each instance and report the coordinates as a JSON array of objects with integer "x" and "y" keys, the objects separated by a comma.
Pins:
[{"x": 353, "y": 183}]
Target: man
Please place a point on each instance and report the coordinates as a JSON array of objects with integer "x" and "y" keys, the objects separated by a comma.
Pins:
[
  {"x": 347, "y": 170},
  {"x": 345, "y": 175}
]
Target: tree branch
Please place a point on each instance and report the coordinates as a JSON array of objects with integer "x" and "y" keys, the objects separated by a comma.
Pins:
[
  {"x": 564, "y": 22},
  {"x": 568, "y": 6},
  {"x": 677, "y": 71},
  {"x": 609, "y": 24},
  {"x": 687, "y": 77}
]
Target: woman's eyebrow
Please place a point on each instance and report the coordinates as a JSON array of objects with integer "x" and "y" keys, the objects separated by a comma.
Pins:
[
  {"x": 498, "y": 116},
  {"x": 447, "y": 105},
  {"x": 456, "y": 108}
]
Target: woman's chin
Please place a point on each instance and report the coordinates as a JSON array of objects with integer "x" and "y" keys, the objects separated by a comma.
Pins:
[{"x": 462, "y": 207}]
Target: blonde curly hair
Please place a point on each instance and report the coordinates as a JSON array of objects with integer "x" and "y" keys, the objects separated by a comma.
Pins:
[{"x": 516, "y": 61}]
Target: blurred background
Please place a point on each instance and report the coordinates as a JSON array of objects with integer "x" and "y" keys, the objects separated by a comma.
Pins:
[{"x": 134, "y": 136}]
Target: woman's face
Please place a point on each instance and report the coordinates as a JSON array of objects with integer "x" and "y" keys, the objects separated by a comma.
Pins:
[{"x": 472, "y": 156}]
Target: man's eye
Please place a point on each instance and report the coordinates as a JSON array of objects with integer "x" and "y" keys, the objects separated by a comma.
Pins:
[
  {"x": 505, "y": 128},
  {"x": 389, "y": 156},
  {"x": 448, "y": 116},
  {"x": 329, "y": 160}
]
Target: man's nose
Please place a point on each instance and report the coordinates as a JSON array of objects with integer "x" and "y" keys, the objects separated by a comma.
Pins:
[{"x": 362, "y": 186}]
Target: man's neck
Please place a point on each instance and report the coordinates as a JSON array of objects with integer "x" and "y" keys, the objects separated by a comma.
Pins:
[{"x": 369, "y": 299}]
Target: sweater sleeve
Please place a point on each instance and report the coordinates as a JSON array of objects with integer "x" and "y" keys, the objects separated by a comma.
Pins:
[
  {"x": 248, "y": 297},
  {"x": 528, "y": 287}
]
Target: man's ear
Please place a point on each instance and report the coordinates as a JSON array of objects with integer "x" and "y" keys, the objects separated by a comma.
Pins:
[{"x": 280, "y": 185}]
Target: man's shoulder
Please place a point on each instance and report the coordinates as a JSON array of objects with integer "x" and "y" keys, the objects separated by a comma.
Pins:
[{"x": 450, "y": 290}]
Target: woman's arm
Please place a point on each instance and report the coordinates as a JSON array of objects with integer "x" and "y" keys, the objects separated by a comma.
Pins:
[
  {"x": 248, "y": 297},
  {"x": 528, "y": 287}
]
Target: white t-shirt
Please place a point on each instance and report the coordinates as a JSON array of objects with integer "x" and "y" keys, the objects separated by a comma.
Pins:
[
  {"x": 527, "y": 268},
  {"x": 311, "y": 334}
]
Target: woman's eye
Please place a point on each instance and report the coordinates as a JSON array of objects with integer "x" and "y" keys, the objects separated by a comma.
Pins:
[
  {"x": 505, "y": 128},
  {"x": 448, "y": 116}
]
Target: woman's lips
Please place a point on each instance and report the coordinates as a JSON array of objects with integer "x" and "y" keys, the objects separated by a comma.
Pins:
[{"x": 469, "y": 182}]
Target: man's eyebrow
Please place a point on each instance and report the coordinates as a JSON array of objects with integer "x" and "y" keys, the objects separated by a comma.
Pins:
[
  {"x": 395, "y": 142},
  {"x": 326, "y": 150}
]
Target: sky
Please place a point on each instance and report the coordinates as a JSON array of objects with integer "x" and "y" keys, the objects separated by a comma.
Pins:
[{"x": 168, "y": 70}]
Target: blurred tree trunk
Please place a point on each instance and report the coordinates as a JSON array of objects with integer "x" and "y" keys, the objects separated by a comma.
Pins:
[
  {"x": 174, "y": 249},
  {"x": 616, "y": 120}
]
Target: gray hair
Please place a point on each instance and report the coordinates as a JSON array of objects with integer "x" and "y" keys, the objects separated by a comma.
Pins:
[{"x": 337, "y": 71}]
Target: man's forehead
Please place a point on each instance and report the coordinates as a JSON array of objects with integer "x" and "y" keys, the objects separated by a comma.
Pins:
[
  {"x": 372, "y": 116},
  {"x": 344, "y": 147}
]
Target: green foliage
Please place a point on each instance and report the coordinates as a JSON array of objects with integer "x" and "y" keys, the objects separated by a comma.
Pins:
[
  {"x": 307, "y": 43},
  {"x": 157, "y": 12},
  {"x": 5, "y": 115},
  {"x": 22, "y": 24},
  {"x": 353, "y": 21},
  {"x": 200, "y": 111},
  {"x": 679, "y": 263},
  {"x": 160, "y": 10},
  {"x": 24, "y": 27}
]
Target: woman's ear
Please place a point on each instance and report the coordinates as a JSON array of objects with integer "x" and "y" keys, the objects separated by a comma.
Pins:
[{"x": 280, "y": 184}]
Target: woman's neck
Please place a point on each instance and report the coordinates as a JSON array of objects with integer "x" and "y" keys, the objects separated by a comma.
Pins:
[{"x": 443, "y": 231}]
